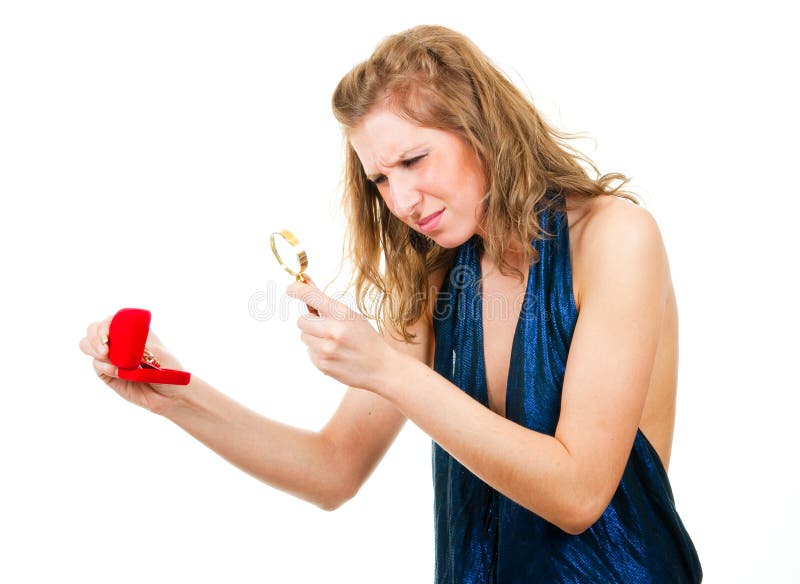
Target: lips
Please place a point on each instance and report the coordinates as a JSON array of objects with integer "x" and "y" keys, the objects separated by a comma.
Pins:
[{"x": 425, "y": 220}]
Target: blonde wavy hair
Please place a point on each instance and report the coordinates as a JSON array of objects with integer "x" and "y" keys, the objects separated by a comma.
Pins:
[{"x": 437, "y": 78}]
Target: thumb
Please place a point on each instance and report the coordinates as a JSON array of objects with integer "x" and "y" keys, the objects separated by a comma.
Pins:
[{"x": 308, "y": 279}]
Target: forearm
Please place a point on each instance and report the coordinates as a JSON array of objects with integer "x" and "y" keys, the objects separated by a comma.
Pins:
[
  {"x": 297, "y": 461},
  {"x": 533, "y": 469}
]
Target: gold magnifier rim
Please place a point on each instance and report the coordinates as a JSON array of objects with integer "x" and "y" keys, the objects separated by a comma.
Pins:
[{"x": 292, "y": 240}]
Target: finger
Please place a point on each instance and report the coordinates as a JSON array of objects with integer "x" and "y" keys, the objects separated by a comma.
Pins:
[
  {"x": 306, "y": 293},
  {"x": 91, "y": 329},
  {"x": 97, "y": 332},
  {"x": 93, "y": 350},
  {"x": 100, "y": 339},
  {"x": 102, "y": 330},
  {"x": 104, "y": 368},
  {"x": 313, "y": 325},
  {"x": 86, "y": 347},
  {"x": 104, "y": 322},
  {"x": 315, "y": 298}
]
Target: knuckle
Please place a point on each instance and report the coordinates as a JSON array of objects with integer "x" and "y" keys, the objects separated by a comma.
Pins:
[
  {"x": 330, "y": 347},
  {"x": 337, "y": 332}
]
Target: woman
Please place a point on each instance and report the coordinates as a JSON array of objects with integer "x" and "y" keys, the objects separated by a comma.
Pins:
[{"x": 551, "y": 440}]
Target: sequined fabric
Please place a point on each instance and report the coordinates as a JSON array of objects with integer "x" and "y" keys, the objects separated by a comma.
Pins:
[{"x": 482, "y": 537}]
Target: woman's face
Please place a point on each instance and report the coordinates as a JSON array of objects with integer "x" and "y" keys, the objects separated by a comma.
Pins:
[{"x": 422, "y": 172}]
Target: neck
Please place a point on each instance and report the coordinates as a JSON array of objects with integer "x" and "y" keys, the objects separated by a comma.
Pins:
[{"x": 512, "y": 254}]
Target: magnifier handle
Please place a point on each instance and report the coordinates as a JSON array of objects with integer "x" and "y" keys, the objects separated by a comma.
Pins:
[{"x": 301, "y": 278}]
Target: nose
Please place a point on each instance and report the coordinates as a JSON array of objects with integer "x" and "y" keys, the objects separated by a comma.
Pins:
[{"x": 405, "y": 198}]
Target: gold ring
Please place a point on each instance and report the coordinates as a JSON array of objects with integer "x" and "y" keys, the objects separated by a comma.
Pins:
[{"x": 150, "y": 359}]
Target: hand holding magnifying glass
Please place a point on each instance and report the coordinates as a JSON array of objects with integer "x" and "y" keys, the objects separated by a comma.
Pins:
[
  {"x": 291, "y": 256},
  {"x": 341, "y": 342}
]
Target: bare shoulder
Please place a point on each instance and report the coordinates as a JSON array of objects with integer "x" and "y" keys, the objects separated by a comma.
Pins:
[
  {"x": 606, "y": 229},
  {"x": 610, "y": 217},
  {"x": 618, "y": 247}
]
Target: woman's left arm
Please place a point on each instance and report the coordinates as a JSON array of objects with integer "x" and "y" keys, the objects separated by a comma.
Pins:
[{"x": 567, "y": 479}]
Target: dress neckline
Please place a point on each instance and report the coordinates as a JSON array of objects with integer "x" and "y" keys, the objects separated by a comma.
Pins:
[{"x": 483, "y": 389}]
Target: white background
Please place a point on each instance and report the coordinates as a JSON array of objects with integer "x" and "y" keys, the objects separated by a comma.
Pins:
[{"x": 148, "y": 149}]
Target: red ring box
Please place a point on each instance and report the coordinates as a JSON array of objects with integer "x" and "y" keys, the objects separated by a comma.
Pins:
[{"x": 127, "y": 335}]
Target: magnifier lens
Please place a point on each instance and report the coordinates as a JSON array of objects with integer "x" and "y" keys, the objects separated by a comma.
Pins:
[
  {"x": 287, "y": 254},
  {"x": 290, "y": 254}
]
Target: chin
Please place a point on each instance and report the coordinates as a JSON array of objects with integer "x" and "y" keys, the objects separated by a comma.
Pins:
[{"x": 449, "y": 241}]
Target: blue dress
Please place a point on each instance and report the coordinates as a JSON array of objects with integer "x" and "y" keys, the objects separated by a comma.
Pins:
[{"x": 483, "y": 537}]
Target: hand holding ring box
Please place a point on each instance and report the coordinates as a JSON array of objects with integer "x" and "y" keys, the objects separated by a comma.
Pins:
[{"x": 127, "y": 335}]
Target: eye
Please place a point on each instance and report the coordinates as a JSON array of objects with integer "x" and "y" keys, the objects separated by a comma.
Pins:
[
  {"x": 412, "y": 161},
  {"x": 406, "y": 164}
]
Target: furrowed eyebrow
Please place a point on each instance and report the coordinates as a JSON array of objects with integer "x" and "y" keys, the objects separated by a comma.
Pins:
[{"x": 402, "y": 155}]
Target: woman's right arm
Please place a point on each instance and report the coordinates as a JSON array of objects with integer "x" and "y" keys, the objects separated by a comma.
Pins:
[
  {"x": 326, "y": 468},
  {"x": 299, "y": 462}
]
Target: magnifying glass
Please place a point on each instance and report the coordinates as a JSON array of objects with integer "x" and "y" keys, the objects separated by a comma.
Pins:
[{"x": 291, "y": 256}]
